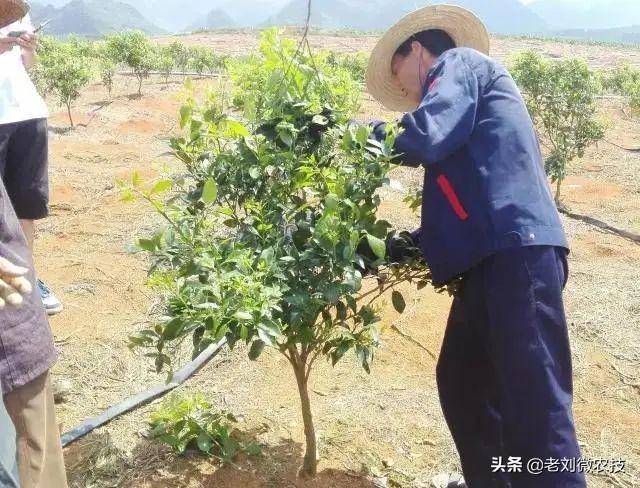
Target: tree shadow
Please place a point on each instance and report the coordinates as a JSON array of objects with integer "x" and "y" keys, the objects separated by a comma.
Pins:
[
  {"x": 60, "y": 131},
  {"x": 94, "y": 461},
  {"x": 170, "y": 82},
  {"x": 101, "y": 104}
]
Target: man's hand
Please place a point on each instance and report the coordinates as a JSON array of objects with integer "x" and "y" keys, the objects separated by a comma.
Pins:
[
  {"x": 7, "y": 44},
  {"x": 13, "y": 283},
  {"x": 28, "y": 42}
]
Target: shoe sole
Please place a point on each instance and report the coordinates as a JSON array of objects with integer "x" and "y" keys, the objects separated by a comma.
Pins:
[{"x": 55, "y": 310}]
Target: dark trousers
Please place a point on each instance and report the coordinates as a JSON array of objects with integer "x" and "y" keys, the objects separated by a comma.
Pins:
[
  {"x": 504, "y": 374},
  {"x": 24, "y": 167}
]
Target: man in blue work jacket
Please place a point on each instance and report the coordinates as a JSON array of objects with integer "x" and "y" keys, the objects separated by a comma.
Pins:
[{"x": 504, "y": 373}]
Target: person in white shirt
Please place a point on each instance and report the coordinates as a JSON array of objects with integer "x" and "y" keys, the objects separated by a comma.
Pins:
[{"x": 23, "y": 136}]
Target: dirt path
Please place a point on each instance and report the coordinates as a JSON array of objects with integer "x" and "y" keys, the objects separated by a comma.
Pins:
[{"x": 388, "y": 423}]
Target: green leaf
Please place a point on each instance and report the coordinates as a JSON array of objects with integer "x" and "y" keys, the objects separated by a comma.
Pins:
[
  {"x": 332, "y": 293},
  {"x": 235, "y": 129},
  {"x": 398, "y": 301},
  {"x": 264, "y": 337},
  {"x": 286, "y": 138},
  {"x": 161, "y": 186},
  {"x": 185, "y": 115},
  {"x": 347, "y": 140},
  {"x": 136, "y": 340},
  {"x": 339, "y": 353},
  {"x": 270, "y": 328},
  {"x": 231, "y": 223},
  {"x": 256, "y": 349},
  {"x": 173, "y": 329},
  {"x": 353, "y": 304},
  {"x": 254, "y": 172},
  {"x": 331, "y": 202},
  {"x": 210, "y": 191},
  {"x": 362, "y": 135},
  {"x": 252, "y": 449},
  {"x": 204, "y": 442},
  {"x": 267, "y": 255},
  {"x": 229, "y": 448},
  {"x": 147, "y": 245},
  {"x": 127, "y": 195},
  {"x": 136, "y": 179},
  {"x": 242, "y": 315},
  {"x": 196, "y": 125},
  {"x": 377, "y": 245},
  {"x": 320, "y": 120}
]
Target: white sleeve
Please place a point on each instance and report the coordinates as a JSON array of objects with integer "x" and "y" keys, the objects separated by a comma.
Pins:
[{"x": 25, "y": 23}]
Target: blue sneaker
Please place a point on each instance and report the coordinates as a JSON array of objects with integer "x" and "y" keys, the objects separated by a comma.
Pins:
[{"x": 51, "y": 303}]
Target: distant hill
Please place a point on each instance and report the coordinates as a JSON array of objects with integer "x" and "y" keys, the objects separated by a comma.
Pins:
[
  {"x": 587, "y": 14},
  {"x": 91, "y": 18},
  {"x": 331, "y": 14},
  {"x": 501, "y": 16},
  {"x": 180, "y": 15},
  {"x": 627, "y": 35},
  {"x": 216, "y": 19},
  {"x": 250, "y": 13}
]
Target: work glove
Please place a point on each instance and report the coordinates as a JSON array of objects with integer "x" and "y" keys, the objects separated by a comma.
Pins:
[
  {"x": 379, "y": 132},
  {"x": 402, "y": 248}
]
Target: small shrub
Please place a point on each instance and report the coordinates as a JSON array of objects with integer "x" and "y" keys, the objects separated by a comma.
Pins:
[
  {"x": 560, "y": 97},
  {"x": 64, "y": 69},
  {"x": 180, "y": 55},
  {"x": 165, "y": 62},
  {"x": 184, "y": 422},
  {"x": 355, "y": 64},
  {"x": 135, "y": 50},
  {"x": 107, "y": 73}
]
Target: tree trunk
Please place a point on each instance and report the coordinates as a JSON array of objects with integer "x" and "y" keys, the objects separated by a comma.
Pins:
[
  {"x": 309, "y": 467},
  {"x": 140, "y": 86},
  {"x": 69, "y": 112},
  {"x": 558, "y": 184}
]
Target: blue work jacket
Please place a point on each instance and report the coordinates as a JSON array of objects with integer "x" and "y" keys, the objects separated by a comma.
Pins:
[{"x": 485, "y": 188}]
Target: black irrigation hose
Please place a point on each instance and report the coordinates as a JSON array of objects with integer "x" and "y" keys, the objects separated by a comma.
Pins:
[
  {"x": 145, "y": 397},
  {"x": 600, "y": 225},
  {"x": 177, "y": 73}
]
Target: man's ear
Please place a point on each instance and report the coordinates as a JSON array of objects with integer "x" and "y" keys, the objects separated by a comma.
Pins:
[{"x": 416, "y": 48}]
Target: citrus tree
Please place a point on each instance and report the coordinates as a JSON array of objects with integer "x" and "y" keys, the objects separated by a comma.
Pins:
[
  {"x": 180, "y": 55},
  {"x": 560, "y": 96},
  {"x": 165, "y": 62},
  {"x": 354, "y": 63},
  {"x": 623, "y": 80},
  {"x": 63, "y": 70},
  {"x": 107, "y": 71},
  {"x": 202, "y": 59},
  {"x": 135, "y": 50},
  {"x": 296, "y": 192}
]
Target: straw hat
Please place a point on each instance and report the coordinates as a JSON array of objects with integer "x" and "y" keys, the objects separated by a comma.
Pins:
[
  {"x": 11, "y": 11},
  {"x": 464, "y": 27}
]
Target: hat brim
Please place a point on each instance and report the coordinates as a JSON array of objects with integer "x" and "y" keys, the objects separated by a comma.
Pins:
[
  {"x": 12, "y": 11},
  {"x": 464, "y": 27}
]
